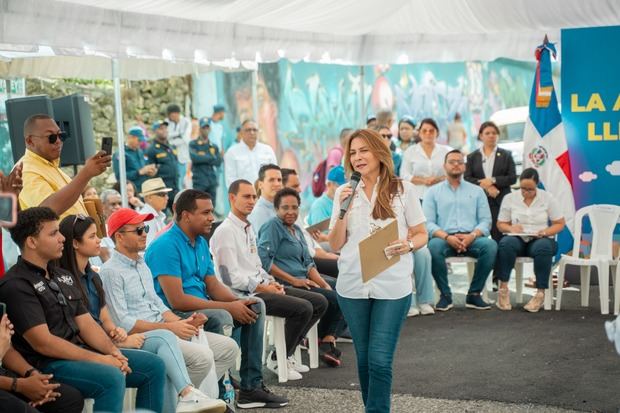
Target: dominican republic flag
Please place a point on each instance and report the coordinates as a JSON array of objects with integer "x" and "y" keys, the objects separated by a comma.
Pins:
[{"x": 544, "y": 142}]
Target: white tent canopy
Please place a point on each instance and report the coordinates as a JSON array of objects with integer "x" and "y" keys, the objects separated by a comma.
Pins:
[{"x": 342, "y": 31}]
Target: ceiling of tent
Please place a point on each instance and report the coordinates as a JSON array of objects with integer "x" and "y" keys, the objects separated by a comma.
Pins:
[{"x": 329, "y": 31}]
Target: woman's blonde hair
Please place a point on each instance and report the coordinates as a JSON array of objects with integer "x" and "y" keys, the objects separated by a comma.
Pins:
[{"x": 389, "y": 184}]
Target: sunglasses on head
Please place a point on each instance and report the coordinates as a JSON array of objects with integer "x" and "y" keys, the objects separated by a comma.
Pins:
[
  {"x": 139, "y": 231},
  {"x": 53, "y": 137},
  {"x": 78, "y": 217}
]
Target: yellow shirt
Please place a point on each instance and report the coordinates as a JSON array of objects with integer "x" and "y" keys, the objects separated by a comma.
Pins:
[{"x": 41, "y": 179}]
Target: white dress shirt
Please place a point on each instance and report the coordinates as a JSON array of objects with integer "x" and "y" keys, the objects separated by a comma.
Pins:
[
  {"x": 417, "y": 163},
  {"x": 241, "y": 162},
  {"x": 533, "y": 218},
  {"x": 488, "y": 162},
  {"x": 235, "y": 255},
  {"x": 395, "y": 282},
  {"x": 155, "y": 225},
  {"x": 180, "y": 135}
]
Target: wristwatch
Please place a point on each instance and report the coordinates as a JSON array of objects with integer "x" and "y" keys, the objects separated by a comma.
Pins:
[{"x": 411, "y": 246}]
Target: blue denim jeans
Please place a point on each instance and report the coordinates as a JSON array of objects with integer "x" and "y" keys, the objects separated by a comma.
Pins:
[
  {"x": 375, "y": 327},
  {"x": 101, "y": 382},
  {"x": 148, "y": 375},
  {"x": 422, "y": 264},
  {"x": 483, "y": 248},
  {"x": 542, "y": 250},
  {"x": 164, "y": 344}
]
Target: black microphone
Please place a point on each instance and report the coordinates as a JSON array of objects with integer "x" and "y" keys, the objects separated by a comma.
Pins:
[{"x": 355, "y": 180}]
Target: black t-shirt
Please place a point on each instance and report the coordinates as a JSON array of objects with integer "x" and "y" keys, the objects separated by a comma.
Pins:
[{"x": 31, "y": 301}]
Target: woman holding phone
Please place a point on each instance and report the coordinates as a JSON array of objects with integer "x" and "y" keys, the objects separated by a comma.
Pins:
[{"x": 375, "y": 310}]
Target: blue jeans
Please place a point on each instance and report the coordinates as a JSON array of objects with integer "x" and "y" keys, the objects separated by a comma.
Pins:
[
  {"x": 375, "y": 327},
  {"x": 164, "y": 344},
  {"x": 483, "y": 248},
  {"x": 332, "y": 321},
  {"x": 542, "y": 250},
  {"x": 101, "y": 382},
  {"x": 148, "y": 375},
  {"x": 424, "y": 292}
]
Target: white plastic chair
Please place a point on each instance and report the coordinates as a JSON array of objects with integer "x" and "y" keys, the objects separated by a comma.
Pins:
[
  {"x": 471, "y": 267},
  {"x": 519, "y": 282},
  {"x": 603, "y": 219},
  {"x": 274, "y": 335}
]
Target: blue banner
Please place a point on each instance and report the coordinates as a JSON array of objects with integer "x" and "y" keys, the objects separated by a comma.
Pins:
[{"x": 591, "y": 112}]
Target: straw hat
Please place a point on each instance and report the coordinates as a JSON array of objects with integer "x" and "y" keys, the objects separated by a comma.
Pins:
[{"x": 153, "y": 186}]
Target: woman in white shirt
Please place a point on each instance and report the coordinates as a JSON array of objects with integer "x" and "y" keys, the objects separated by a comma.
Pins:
[
  {"x": 375, "y": 310},
  {"x": 423, "y": 163},
  {"x": 528, "y": 212}
]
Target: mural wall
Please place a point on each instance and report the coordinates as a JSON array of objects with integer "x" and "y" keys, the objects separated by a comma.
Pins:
[{"x": 301, "y": 107}]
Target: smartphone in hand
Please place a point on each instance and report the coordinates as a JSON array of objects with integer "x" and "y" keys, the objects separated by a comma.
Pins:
[{"x": 106, "y": 145}]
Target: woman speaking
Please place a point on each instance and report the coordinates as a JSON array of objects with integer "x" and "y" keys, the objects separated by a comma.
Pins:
[{"x": 375, "y": 310}]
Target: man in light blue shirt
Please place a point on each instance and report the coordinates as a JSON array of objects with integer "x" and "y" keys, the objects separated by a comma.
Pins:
[
  {"x": 269, "y": 183},
  {"x": 458, "y": 220},
  {"x": 321, "y": 209}
]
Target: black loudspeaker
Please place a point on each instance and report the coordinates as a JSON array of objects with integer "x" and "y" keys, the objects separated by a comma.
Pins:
[
  {"x": 17, "y": 111},
  {"x": 71, "y": 113},
  {"x": 73, "y": 116}
]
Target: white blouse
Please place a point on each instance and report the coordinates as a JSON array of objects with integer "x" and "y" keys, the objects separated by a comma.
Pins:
[
  {"x": 533, "y": 218},
  {"x": 417, "y": 163},
  {"x": 393, "y": 283}
]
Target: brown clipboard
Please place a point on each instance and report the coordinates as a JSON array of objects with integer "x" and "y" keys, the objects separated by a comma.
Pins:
[
  {"x": 372, "y": 255},
  {"x": 319, "y": 226}
]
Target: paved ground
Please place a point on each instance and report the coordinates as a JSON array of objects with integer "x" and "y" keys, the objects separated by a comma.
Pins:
[{"x": 467, "y": 360}]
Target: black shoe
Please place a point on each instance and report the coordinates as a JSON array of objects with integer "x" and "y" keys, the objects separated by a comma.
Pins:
[
  {"x": 260, "y": 397},
  {"x": 476, "y": 302},
  {"x": 444, "y": 303},
  {"x": 331, "y": 354}
]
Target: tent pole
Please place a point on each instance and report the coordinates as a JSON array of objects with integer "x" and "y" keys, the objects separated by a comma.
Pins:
[
  {"x": 118, "y": 112},
  {"x": 362, "y": 96}
]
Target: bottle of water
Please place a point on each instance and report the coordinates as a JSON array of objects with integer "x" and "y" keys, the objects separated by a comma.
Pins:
[{"x": 229, "y": 391}]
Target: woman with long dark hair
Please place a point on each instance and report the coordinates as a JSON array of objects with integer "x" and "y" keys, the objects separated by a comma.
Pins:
[
  {"x": 375, "y": 310},
  {"x": 154, "y": 354}
]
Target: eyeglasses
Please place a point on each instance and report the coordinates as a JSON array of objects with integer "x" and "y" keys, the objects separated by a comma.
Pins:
[
  {"x": 139, "y": 230},
  {"x": 386, "y": 136},
  {"x": 61, "y": 297},
  {"x": 161, "y": 194},
  {"x": 53, "y": 137},
  {"x": 455, "y": 162},
  {"x": 251, "y": 130}
]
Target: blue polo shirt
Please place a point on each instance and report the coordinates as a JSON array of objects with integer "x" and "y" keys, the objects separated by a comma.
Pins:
[{"x": 173, "y": 254}]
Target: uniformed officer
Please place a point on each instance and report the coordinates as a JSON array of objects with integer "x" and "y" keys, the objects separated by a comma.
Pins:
[
  {"x": 206, "y": 157},
  {"x": 162, "y": 154}
]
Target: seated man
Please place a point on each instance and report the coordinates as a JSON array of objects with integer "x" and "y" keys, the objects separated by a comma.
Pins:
[
  {"x": 180, "y": 262},
  {"x": 235, "y": 252},
  {"x": 134, "y": 305},
  {"x": 52, "y": 324},
  {"x": 269, "y": 183},
  {"x": 155, "y": 195},
  {"x": 25, "y": 389},
  {"x": 284, "y": 254},
  {"x": 458, "y": 219}
]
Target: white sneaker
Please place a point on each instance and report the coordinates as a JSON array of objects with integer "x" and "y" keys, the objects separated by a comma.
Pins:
[
  {"x": 413, "y": 311},
  {"x": 292, "y": 374},
  {"x": 196, "y": 401},
  {"x": 426, "y": 309},
  {"x": 298, "y": 367}
]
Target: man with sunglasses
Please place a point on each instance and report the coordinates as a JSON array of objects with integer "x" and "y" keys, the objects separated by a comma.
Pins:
[
  {"x": 155, "y": 195},
  {"x": 243, "y": 160},
  {"x": 54, "y": 331},
  {"x": 45, "y": 184}
]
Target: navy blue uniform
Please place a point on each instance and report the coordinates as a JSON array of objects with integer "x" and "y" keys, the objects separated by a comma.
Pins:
[
  {"x": 205, "y": 158},
  {"x": 165, "y": 157}
]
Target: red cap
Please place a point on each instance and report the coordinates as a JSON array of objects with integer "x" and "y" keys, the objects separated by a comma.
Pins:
[{"x": 125, "y": 216}]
